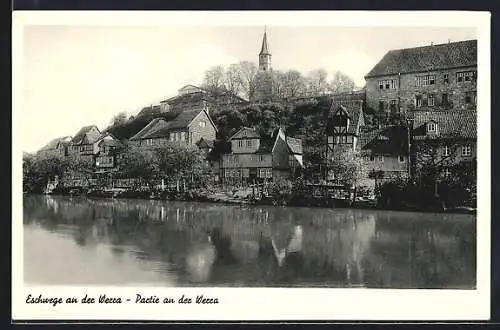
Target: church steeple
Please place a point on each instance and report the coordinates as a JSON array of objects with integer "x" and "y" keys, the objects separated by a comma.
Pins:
[{"x": 265, "y": 55}]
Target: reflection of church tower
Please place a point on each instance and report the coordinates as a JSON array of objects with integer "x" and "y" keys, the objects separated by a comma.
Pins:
[{"x": 263, "y": 79}]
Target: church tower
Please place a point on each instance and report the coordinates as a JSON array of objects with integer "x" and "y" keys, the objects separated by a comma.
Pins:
[
  {"x": 264, "y": 78},
  {"x": 265, "y": 55}
]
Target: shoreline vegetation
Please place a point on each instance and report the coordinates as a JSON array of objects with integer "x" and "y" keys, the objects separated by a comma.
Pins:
[{"x": 257, "y": 196}]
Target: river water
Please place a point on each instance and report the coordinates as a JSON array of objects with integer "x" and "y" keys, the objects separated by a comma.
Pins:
[{"x": 79, "y": 241}]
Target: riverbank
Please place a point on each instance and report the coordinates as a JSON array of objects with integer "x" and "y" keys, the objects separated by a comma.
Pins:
[{"x": 246, "y": 197}]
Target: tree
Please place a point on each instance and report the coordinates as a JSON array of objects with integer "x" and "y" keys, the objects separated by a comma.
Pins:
[
  {"x": 248, "y": 71},
  {"x": 119, "y": 119},
  {"x": 317, "y": 83},
  {"x": 233, "y": 79},
  {"x": 214, "y": 78},
  {"x": 341, "y": 83},
  {"x": 179, "y": 162},
  {"x": 346, "y": 165},
  {"x": 290, "y": 84},
  {"x": 140, "y": 163}
]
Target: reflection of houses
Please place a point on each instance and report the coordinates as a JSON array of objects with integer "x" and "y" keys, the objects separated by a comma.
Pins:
[
  {"x": 436, "y": 76},
  {"x": 443, "y": 138},
  {"x": 254, "y": 158},
  {"x": 186, "y": 126},
  {"x": 57, "y": 146},
  {"x": 385, "y": 153}
]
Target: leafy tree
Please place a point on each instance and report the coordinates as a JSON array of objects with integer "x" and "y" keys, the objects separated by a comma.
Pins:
[
  {"x": 119, "y": 119},
  {"x": 341, "y": 83},
  {"x": 346, "y": 166},
  {"x": 141, "y": 163}
]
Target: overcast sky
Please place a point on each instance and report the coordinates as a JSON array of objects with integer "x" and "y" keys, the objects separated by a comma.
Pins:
[{"x": 82, "y": 75}]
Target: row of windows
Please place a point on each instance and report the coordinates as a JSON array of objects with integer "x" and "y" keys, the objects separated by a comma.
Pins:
[
  {"x": 242, "y": 143},
  {"x": 380, "y": 159},
  {"x": 264, "y": 173},
  {"x": 175, "y": 136},
  {"x": 465, "y": 151},
  {"x": 342, "y": 139},
  {"x": 430, "y": 99},
  {"x": 234, "y": 159},
  {"x": 391, "y": 105},
  {"x": 388, "y": 84},
  {"x": 427, "y": 80}
]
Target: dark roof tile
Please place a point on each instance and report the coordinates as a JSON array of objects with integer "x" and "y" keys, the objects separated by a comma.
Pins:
[{"x": 427, "y": 58}]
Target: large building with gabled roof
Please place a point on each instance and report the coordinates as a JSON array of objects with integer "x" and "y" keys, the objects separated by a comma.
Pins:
[{"x": 432, "y": 77}]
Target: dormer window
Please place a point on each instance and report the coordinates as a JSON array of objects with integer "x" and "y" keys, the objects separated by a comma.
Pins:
[{"x": 432, "y": 128}]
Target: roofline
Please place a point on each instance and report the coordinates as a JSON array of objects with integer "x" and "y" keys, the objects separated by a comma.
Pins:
[
  {"x": 412, "y": 72},
  {"x": 209, "y": 118},
  {"x": 133, "y": 138},
  {"x": 244, "y": 127}
]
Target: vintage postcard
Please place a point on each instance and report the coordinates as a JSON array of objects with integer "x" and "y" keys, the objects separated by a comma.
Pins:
[{"x": 193, "y": 166}]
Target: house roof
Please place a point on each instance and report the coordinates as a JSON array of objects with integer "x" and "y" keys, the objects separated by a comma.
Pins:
[
  {"x": 161, "y": 127},
  {"x": 294, "y": 144},
  {"x": 113, "y": 141},
  {"x": 204, "y": 143},
  {"x": 245, "y": 133},
  {"x": 427, "y": 58},
  {"x": 451, "y": 123},
  {"x": 354, "y": 111},
  {"x": 78, "y": 138},
  {"x": 389, "y": 140},
  {"x": 146, "y": 129},
  {"x": 54, "y": 144}
]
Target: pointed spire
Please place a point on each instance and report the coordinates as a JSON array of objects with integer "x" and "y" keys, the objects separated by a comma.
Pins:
[{"x": 265, "y": 48}]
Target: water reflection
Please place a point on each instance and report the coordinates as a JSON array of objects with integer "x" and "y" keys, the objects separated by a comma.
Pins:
[{"x": 192, "y": 244}]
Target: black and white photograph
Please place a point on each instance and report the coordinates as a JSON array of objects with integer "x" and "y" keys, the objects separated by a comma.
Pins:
[{"x": 253, "y": 155}]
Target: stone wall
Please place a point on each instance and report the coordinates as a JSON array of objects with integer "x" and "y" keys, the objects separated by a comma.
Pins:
[{"x": 461, "y": 95}]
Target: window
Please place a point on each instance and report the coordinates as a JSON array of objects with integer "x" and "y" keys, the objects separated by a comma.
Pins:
[
  {"x": 446, "y": 151},
  {"x": 466, "y": 76},
  {"x": 430, "y": 100},
  {"x": 265, "y": 173},
  {"x": 240, "y": 143},
  {"x": 202, "y": 124},
  {"x": 380, "y": 159},
  {"x": 393, "y": 105},
  {"x": 446, "y": 78},
  {"x": 388, "y": 84},
  {"x": 183, "y": 136},
  {"x": 401, "y": 159},
  {"x": 418, "y": 101},
  {"x": 381, "y": 105},
  {"x": 425, "y": 80},
  {"x": 249, "y": 143},
  {"x": 372, "y": 158},
  {"x": 444, "y": 99},
  {"x": 446, "y": 173},
  {"x": 431, "y": 128},
  {"x": 470, "y": 98},
  {"x": 261, "y": 158},
  {"x": 466, "y": 150}
]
